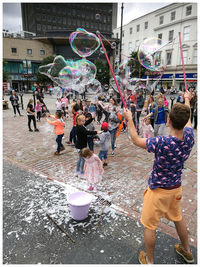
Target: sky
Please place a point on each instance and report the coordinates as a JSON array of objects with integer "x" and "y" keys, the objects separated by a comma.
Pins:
[{"x": 12, "y": 12}]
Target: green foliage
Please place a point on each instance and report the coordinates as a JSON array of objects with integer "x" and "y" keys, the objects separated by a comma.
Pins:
[
  {"x": 5, "y": 73},
  {"x": 137, "y": 70},
  {"x": 41, "y": 78},
  {"x": 102, "y": 75}
]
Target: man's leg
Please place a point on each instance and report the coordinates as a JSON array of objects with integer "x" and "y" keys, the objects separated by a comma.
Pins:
[
  {"x": 182, "y": 233},
  {"x": 150, "y": 240}
]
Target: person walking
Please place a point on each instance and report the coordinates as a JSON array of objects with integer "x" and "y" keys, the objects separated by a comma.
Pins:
[{"x": 15, "y": 103}]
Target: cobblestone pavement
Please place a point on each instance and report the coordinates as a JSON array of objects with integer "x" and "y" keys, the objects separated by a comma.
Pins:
[{"x": 124, "y": 180}]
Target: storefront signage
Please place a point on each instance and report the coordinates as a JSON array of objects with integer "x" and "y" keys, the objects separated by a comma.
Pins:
[{"x": 188, "y": 76}]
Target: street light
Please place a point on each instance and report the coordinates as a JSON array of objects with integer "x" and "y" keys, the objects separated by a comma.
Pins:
[{"x": 120, "y": 48}]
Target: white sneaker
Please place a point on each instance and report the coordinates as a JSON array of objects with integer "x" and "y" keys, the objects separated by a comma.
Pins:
[
  {"x": 113, "y": 153},
  {"x": 76, "y": 174},
  {"x": 81, "y": 176}
]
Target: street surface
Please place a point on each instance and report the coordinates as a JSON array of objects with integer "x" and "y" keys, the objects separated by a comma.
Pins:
[{"x": 124, "y": 180}]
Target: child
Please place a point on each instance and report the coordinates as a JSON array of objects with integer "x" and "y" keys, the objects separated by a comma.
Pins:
[
  {"x": 59, "y": 129},
  {"x": 147, "y": 128},
  {"x": 38, "y": 109},
  {"x": 81, "y": 142},
  {"x": 65, "y": 103},
  {"x": 93, "y": 168},
  {"x": 58, "y": 104},
  {"x": 104, "y": 143},
  {"x": 31, "y": 115},
  {"x": 162, "y": 198},
  {"x": 160, "y": 117},
  {"x": 72, "y": 135},
  {"x": 92, "y": 110},
  {"x": 90, "y": 127}
]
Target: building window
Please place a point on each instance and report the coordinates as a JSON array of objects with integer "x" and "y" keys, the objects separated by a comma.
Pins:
[
  {"x": 136, "y": 44},
  {"x": 42, "y": 52},
  {"x": 171, "y": 35},
  {"x": 14, "y": 50},
  {"x": 44, "y": 27},
  {"x": 161, "y": 19},
  {"x": 173, "y": 15},
  {"x": 49, "y": 27},
  {"x": 138, "y": 27},
  {"x": 169, "y": 58},
  {"x": 38, "y": 27},
  {"x": 188, "y": 10},
  {"x": 146, "y": 25},
  {"x": 195, "y": 56},
  {"x": 131, "y": 30},
  {"x": 122, "y": 33},
  {"x": 186, "y": 33},
  {"x": 130, "y": 47},
  {"x": 104, "y": 19},
  {"x": 185, "y": 56},
  {"x": 29, "y": 51},
  {"x": 160, "y": 36},
  {"x": 64, "y": 20},
  {"x": 122, "y": 48},
  {"x": 117, "y": 35},
  {"x": 69, "y": 21}
]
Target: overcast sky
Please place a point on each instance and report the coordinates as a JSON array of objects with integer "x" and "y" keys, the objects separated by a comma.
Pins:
[{"x": 12, "y": 13}]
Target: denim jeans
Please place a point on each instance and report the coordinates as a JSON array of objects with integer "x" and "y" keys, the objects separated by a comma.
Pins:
[
  {"x": 113, "y": 137},
  {"x": 80, "y": 164},
  {"x": 59, "y": 141},
  {"x": 157, "y": 127},
  {"x": 103, "y": 155},
  {"x": 73, "y": 135}
]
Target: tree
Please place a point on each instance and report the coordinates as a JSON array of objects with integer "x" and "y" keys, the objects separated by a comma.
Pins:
[
  {"x": 137, "y": 70},
  {"x": 5, "y": 72},
  {"x": 102, "y": 75},
  {"x": 41, "y": 78}
]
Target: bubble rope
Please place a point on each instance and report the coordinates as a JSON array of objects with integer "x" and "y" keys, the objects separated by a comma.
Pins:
[
  {"x": 98, "y": 34},
  {"x": 182, "y": 61}
]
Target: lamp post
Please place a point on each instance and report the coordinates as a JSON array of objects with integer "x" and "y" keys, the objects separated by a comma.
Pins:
[{"x": 120, "y": 48}]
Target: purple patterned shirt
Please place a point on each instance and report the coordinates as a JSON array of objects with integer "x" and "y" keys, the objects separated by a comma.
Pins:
[{"x": 170, "y": 154}]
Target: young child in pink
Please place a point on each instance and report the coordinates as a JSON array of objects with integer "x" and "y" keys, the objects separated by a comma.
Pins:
[
  {"x": 65, "y": 103},
  {"x": 93, "y": 168},
  {"x": 147, "y": 128},
  {"x": 38, "y": 109}
]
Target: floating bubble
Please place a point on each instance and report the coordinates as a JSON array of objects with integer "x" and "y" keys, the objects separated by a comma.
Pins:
[
  {"x": 102, "y": 51},
  {"x": 69, "y": 73},
  {"x": 149, "y": 53},
  {"x": 97, "y": 16},
  {"x": 113, "y": 45},
  {"x": 106, "y": 87},
  {"x": 94, "y": 86},
  {"x": 84, "y": 43},
  {"x": 113, "y": 84}
]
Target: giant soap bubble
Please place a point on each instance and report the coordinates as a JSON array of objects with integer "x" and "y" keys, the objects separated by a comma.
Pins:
[
  {"x": 69, "y": 73},
  {"x": 84, "y": 43},
  {"x": 149, "y": 53},
  {"x": 94, "y": 86}
]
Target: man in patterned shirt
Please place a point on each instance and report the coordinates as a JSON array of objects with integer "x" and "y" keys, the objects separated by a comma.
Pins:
[{"x": 164, "y": 192}]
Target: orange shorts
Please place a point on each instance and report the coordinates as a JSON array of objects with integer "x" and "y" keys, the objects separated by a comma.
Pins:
[{"x": 160, "y": 202}]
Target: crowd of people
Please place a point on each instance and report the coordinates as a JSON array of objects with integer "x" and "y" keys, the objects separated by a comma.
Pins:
[{"x": 146, "y": 131}]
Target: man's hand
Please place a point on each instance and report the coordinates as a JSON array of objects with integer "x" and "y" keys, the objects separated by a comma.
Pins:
[
  {"x": 127, "y": 114},
  {"x": 188, "y": 95}
]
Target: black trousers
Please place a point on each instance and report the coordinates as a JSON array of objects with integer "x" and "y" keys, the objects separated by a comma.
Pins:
[
  {"x": 195, "y": 122},
  {"x": 39, "y": 115},
  {"x": 31, "y": 118},
  {"x": 16, "y": 108}
]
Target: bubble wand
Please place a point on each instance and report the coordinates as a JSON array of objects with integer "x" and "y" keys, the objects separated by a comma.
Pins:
[
  {"x": 182, "y": 62},
  {"x": 98, "y": 34}
]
